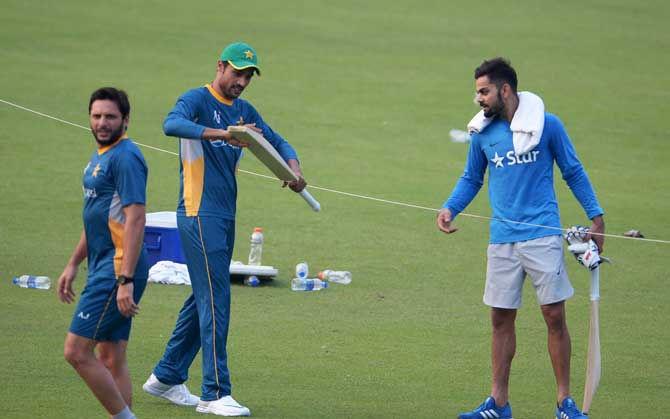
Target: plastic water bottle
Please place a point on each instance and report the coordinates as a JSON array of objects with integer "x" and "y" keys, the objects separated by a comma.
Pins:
[
  {"x": 252, "y": 281},
  {"x": 340, "y": 277},
  {"x": 29, "y": 281},
  {"x": 256, "y": 250},
  {"x": 308, "y": 284},
  {"x": 301, "y": 270}
]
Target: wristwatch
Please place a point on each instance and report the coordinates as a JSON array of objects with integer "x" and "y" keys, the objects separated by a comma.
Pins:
[{"x": 123, "y": 280}]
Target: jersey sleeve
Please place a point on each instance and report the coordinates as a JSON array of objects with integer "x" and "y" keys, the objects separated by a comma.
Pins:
[
  {"x": 180, "y": 122},
  {"x": 280, "y": 144},
  {"x": 470, "y": 182},
  {"x": 571, "y": 168},
  {"x": 131, "y": 178}
]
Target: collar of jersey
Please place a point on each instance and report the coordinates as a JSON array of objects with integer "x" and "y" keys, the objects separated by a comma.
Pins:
[
  {"x": 104, "y": 149},
  {"x": 218, "y": 96}
]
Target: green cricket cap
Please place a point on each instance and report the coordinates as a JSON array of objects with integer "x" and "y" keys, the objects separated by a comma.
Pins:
[{"x": 241, "y": 56}]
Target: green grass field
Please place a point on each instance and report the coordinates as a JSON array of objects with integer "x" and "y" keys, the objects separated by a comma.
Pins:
[{"x": 366, "y": 92}]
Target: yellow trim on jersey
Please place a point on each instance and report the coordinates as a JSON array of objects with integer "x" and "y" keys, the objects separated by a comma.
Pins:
[
  {"x": 116, "y": 231},
  {"x": 104, "y": 149},
  {"x": 217, "y": 96},
  {"x": 194, "y": 180}
]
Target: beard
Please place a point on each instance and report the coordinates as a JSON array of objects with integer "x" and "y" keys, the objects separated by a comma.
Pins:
[
  {"x": 113, "y": 137},
  {"x": 497, "y": 108},
  {"x": 233, "y": 92}
]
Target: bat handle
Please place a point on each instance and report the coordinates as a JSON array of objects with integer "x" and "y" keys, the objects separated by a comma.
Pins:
[
  {"x": 310, "y": 200},
  {"x": 595, "y": 284}
]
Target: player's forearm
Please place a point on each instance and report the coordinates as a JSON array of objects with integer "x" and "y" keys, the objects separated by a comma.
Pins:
[
  {"x": 464, "y": 192},
  {"x": 175, "y": 126},
  {"x": 215, "y": 134},
  {"x": 80, "y": 252},
  {"x": 580, "y": 185},
  {"x": 285, "y": 150},
  {"x": 598, "y": 225},
  {"x": 133, "y": 234},
  {"x": 295, "y": 166},
  {"x": 470, "y": 182}
]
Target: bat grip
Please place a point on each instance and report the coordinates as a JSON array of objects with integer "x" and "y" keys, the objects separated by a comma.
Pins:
[
  {"x": 595, "y": 284},
  {"x": 310, "y": 200}
]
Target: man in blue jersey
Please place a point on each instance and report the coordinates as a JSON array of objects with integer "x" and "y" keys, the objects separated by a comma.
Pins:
[
  {"x": 521, "y": 190},
  {"x": 206, "y": 223},
  {"x": 114, "y": 185}
]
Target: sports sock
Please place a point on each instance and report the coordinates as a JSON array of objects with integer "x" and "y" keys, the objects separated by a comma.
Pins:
[{"x": 124, "y": 414}]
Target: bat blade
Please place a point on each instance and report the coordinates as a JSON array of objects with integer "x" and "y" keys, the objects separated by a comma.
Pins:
[
  {"x": 267, "y": 154},
  {"x": 593, "y": 362}
]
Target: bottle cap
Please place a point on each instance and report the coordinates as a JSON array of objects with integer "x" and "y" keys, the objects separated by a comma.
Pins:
[
  {"x": 301, "y": 270},
  {"x": 258, "y": 229},
  {"x": 252, "y": 281}
]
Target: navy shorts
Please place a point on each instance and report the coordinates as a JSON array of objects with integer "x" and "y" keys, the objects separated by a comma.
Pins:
[{"x": 97, "y": 316}]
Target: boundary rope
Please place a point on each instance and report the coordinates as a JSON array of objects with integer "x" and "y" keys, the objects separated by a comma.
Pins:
[{"x": 353, "y": 195}]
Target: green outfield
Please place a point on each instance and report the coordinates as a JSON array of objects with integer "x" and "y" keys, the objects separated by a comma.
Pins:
[{"x": 367, "y": 93}]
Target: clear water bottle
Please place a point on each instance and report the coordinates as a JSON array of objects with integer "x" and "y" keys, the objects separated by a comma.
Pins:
[
  {"x": 301, "y": 270},
  {"x": 256, "y": 249},
  {"x": 340, "y": 277},
  {"x": 308, "y": 284},
  {"x": 252, "y": 281},
  {"x": 29, "y": 281}
]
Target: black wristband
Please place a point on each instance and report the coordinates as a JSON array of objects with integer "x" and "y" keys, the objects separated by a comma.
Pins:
[{"x": 122, "y": 280}]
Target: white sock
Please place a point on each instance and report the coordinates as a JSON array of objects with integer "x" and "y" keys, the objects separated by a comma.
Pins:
[
  {"x": 161, "y": 385},
  {"x": 124, "y": 414}
]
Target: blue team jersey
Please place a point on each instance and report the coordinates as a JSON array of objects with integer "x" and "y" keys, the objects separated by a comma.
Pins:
[
  {"x": 521, "y": 188},
  {"x": 208, "y": 185},
  {"x": 115, "y": 177}
]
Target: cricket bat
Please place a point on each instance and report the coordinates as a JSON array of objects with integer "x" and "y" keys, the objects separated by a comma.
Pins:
[
  {"x": 267, "y": 154},
  {"x": 593, "y": 366}
]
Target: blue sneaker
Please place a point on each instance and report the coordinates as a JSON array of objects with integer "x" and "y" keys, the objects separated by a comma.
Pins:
[
  {"x": 489, "y": 410},
  {"x": 568, "y": 410}
]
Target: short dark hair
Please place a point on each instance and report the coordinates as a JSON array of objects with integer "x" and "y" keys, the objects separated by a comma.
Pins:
[
  {"x": 117, "y": 96},
  {"x": 499, "y": 70}
]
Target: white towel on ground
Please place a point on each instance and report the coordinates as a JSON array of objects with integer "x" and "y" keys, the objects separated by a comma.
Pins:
[
  {"x": 527, "y": 124},
  {"x": 168, "y": 272}
]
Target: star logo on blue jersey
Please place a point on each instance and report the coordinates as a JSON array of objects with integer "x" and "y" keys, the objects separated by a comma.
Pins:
[
  {"x": 217, "y": 116},
  {"x": 96, "y": 170},
  {"x": 497, "y": 160}
]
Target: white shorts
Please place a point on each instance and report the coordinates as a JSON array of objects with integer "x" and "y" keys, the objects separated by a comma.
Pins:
[{"x": 541, "y": 259}]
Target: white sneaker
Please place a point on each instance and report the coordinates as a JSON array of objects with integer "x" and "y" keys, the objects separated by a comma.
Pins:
[
  {"x": 177, "y": 394},
  {"x": 225, "y": 406}
]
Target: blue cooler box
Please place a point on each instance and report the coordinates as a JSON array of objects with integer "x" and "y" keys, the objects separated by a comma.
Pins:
[{"x": 161, "y": 238}]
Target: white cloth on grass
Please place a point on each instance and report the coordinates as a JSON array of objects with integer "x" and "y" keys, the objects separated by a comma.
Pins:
[
  {"x": 168, "y": 272},
  {"x": 527, "y": 124}
]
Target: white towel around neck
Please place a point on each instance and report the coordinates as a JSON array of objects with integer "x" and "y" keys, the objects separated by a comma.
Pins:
[{"x": 527, "y": 124}]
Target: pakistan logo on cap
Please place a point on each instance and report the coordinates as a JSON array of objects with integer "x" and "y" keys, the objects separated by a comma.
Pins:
[{"x": 241, "y": 56}]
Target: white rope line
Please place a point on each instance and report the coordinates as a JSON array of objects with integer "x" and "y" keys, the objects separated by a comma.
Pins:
[
  {"x": 77, "y": 125},
  {"x": 370, "y": 198}
]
